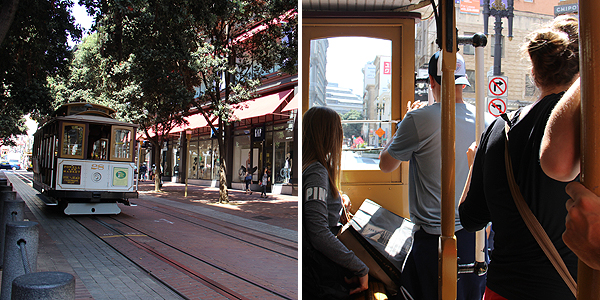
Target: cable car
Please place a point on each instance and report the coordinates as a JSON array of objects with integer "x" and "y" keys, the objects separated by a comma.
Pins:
[{"x": 83, "y": 160}]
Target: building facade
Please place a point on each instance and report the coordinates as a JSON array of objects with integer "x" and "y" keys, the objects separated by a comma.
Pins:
[
  {"x": 528, "y": 15},
  {"x": 263, "y": 134}
]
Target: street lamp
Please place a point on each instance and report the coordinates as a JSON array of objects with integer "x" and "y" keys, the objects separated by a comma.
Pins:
[{"x": 499, "y": 11}]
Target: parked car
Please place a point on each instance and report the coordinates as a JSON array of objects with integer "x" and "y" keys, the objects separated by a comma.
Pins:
[
  {"x": 14, "y": 164},
  {"x": 5, "y": 165}
]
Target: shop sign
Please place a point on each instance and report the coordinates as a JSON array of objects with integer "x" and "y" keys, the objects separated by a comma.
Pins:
[{"x": 258, "y": 134}]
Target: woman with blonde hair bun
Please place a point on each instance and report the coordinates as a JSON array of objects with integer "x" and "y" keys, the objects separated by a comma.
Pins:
[
  {"x": 519, "y": 269},
  {"x": 330, "y": 270}
]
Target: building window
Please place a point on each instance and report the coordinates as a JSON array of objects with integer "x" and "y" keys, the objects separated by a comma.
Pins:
[
  {"x": 529, "y": 86},
  {"x": 471, "y": 76}
]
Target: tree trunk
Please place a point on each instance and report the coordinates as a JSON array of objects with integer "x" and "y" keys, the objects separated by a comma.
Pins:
[
  {"x": 223, "y": 194},
  {"x": 157, "y": 172}
]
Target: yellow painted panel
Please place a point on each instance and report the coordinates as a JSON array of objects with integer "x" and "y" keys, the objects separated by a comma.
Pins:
[{"x": 393, "y": 197}]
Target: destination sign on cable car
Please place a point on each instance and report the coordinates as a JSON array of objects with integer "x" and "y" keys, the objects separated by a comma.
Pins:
[{"x": 71, "y": 174}]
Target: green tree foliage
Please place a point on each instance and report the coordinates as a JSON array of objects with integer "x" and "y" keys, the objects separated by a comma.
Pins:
[
  {"x": 145, "y": 51},
  {"x": 240, "y": 42},
  {"x": 34, "y": 48},
  {"x": 88, "y": 79},
  {"x": 352, "y": 129},
  {"x": 160, "y": 58}
]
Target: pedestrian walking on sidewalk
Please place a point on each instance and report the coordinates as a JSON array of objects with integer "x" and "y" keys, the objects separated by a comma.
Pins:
[
  {"x": 265, "y": 180},
  {"x": 248, "y": 180}
]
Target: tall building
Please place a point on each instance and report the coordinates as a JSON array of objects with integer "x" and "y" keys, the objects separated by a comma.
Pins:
[
  {"x": 377, "y": 97},
  {"x": 318, "y": 65},
  {"x": 342, "y": 100}
]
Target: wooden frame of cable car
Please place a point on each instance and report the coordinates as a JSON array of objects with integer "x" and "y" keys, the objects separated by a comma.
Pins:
[{"x": 389, "y": 189}]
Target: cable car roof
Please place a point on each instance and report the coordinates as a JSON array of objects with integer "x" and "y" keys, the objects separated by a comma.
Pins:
[
  {"x": 366, "y": 5},
  {"x": 84, "y": 108},
  {"x": 86, "y": 118}
]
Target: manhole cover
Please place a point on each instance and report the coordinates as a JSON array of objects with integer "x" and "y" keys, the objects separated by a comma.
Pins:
[{"x": 261, "y": 218}]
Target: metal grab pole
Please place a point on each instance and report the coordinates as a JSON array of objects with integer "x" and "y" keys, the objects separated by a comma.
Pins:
[
  {"x": 448, "y": 267},
  {"x": 479, "y": 41},
  {"x": 588, "y": 280},
  {"x": 479, "y": 126}
]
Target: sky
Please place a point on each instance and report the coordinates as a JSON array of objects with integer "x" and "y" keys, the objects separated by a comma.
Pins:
[
  {"x": 347, "y": 56},
  {"x": 82, "y": 18}
]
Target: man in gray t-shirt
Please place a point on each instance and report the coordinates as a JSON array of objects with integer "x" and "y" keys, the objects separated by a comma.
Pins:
[{"x": 418, "y": 140}]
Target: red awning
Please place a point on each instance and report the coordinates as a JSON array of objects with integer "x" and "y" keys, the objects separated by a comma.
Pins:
[
  {"x": 293, "y": 104},
  {"x": 260, "y": 106},
  {"x": 248, "y": 109},
  {"x": 195, "y": 121}
]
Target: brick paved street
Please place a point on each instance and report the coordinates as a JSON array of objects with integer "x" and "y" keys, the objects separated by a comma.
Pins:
[{"x": 102, "y": 272}]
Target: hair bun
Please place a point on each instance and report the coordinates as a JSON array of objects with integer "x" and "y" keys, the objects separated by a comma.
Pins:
[{"x": 554, "y": 52}]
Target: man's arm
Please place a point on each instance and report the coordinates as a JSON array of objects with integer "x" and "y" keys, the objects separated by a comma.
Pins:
[{"x": 387, "y": 163}]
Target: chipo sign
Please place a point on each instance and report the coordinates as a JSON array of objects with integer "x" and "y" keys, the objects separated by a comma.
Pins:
[{"x": 566, "y": 9}]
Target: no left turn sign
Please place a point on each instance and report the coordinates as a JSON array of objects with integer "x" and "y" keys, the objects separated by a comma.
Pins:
[
  {"x": 497, "y": 86},
  {"x": 497, "y": 107}
]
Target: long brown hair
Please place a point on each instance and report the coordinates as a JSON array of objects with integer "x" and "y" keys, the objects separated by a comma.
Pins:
[{"x": 322, "y": 138}]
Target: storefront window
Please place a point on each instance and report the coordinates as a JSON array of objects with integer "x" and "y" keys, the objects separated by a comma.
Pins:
[
  {"x": 282, "y": 153},
  {"x": 215, "y": 161},
  {"x": 194, "y": 160},
  {"x": 241, "y": 154},
  {"x": 206, "y": 159},
  {"x": 73, "y": 140}
]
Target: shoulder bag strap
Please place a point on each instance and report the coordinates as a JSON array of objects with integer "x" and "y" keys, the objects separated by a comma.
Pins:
[{"x": 534, "y": 225}]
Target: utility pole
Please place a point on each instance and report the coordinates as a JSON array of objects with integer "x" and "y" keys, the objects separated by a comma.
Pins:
[{"x": 499, "y": 11}]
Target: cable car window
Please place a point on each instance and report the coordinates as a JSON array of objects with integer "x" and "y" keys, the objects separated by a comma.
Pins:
[
  {"x": 352, "y": 75},
  {"x": 121, "y": 143},
  {"x": 72, "y": 141},
  {"x": 100, "y": 149}
]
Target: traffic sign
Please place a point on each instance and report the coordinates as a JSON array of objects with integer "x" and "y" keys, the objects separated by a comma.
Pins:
[
  {"x": 497, "y": 107},
  {"x": 497, "y": 86}
]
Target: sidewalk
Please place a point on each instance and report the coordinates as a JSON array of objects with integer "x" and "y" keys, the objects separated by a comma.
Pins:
[{"x": 277, "y": 210}]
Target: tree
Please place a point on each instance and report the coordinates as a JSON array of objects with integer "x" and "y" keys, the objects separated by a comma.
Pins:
[
  {"x": 34, "y": 48},
  {"x": 352, "y": 129},
  {"x": 240, "y": 41},
  {"x": 162, "y": 52},
  {"x": 147, "y": 46}
]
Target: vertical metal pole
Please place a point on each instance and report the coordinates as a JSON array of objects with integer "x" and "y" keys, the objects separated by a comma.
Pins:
[
  {"x": 480, "y": 89},
  {"x": 188, "y": 136},
  {"x": 588, "y": 280},
  {"x": 479, "y": 126},
  {"x": 498, "y": 45},
  {"x": 448, "y": 263}
]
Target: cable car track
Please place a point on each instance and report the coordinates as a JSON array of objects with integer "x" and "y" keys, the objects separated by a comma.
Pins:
[
  {"x": 245, "y": 232},
  {"x": 212, "y": 284}
]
